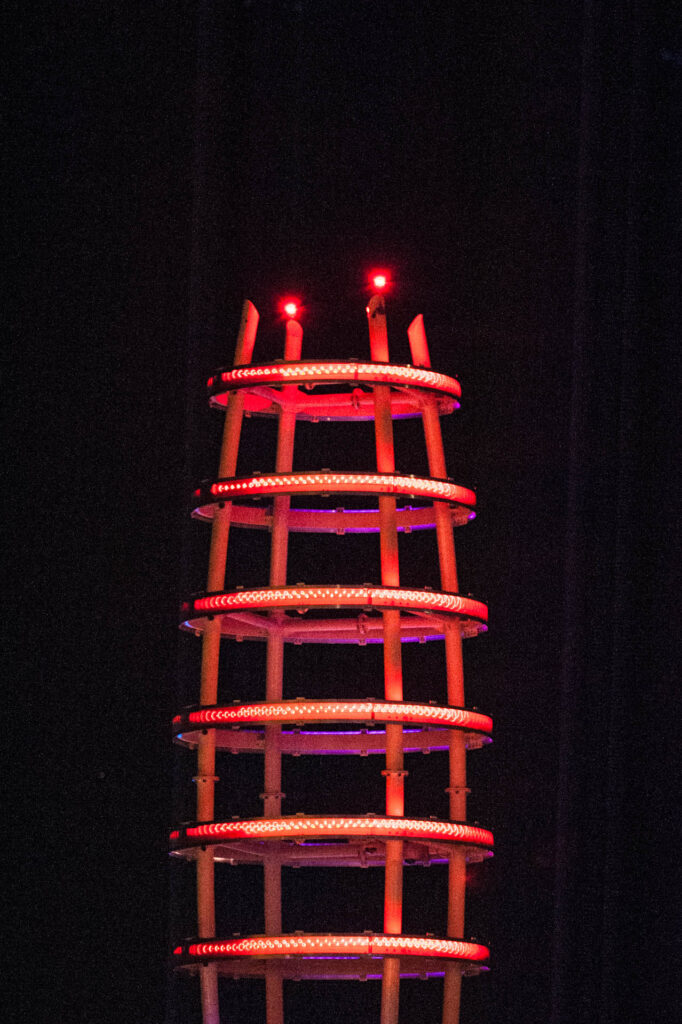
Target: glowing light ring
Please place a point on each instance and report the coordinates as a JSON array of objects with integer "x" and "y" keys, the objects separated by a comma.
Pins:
[
  {"x": 339, "y": 711},
  {"x": 341, "y": 483},
  {"x": 336, "y": 945},
  {"x": 380, "y": 827},
  {"x": 339, "y": 597},
  {"x": 334, "y": 372}
]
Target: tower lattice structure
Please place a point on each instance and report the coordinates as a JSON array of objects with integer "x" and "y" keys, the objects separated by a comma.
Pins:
[{"x": 277, "y": 726}]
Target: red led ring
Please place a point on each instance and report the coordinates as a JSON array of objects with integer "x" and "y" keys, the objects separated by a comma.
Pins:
[
  {"x": 334, "y": 945},
  {"x": 371, "y": 597},
  {"x": 339, "y": 483},
  {"x": 340, "y": 711},
  {"x": 382, "y": 827},
  {"x": 358, "y": 957},
  {"x": 242, "y": 613},
  {"x": 263, "y": 394},
  {"x": 340, "y": 520},
  {"x": 240, "y": 727},
  {"x": 335, "y": 372}
]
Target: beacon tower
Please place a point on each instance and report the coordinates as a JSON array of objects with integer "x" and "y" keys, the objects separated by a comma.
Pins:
[{"x": 385, "y": 726}]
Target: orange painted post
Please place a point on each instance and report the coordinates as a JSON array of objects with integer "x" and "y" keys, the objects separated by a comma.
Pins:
[
  {"x": 457, "y": 786},
  {"x": 210, "y": 658},
  {"x": 393, "y": 672},
  {"x": 272, "y": 796}
]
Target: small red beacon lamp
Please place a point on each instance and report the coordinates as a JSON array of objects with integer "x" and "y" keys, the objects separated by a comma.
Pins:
[
  {"x": 290, "y": 308},
  {"x": 379, "y": 281}
]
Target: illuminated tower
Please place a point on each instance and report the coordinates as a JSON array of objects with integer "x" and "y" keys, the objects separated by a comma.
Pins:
[{"x": 277, "y": 726}]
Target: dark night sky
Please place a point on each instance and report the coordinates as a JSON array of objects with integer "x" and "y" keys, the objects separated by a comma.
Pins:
[{"x": 517, "y": 165}]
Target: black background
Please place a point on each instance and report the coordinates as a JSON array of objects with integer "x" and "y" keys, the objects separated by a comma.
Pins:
[{"x": 517, "y": 168}]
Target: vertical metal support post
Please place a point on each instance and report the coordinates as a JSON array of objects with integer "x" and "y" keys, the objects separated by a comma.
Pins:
[
  {"x": 210, "y": 658},
  {"x": 393, "y": 672},
  {"x": 457, "y": 787},
  {"x": 272, "y": 796}
]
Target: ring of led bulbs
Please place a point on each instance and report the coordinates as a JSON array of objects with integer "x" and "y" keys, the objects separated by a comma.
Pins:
[
  {"x": 260, "y": 384},
  {"x": 343, "y": 711},
  {"x": 344, "y": 483},
  {"x": 339, "y": 711},
  {"x": 334, "y": 372},
  {"x": 336, "y": 826},
  {"x": 298, "y": 954},
  {"x": 461, "y": 499},
  {"x": 232, "y": 606},
  {"x": 371, "y": 597},
  {"x": 240, "y": 728}
]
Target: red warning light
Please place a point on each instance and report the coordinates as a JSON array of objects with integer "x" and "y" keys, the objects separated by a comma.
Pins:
[
  {"x": 290, "y": 308},
  {"x": 379, "y": 281}
]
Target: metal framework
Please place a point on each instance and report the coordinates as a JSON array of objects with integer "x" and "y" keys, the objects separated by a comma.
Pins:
[{"x": 388, "y": 726}]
